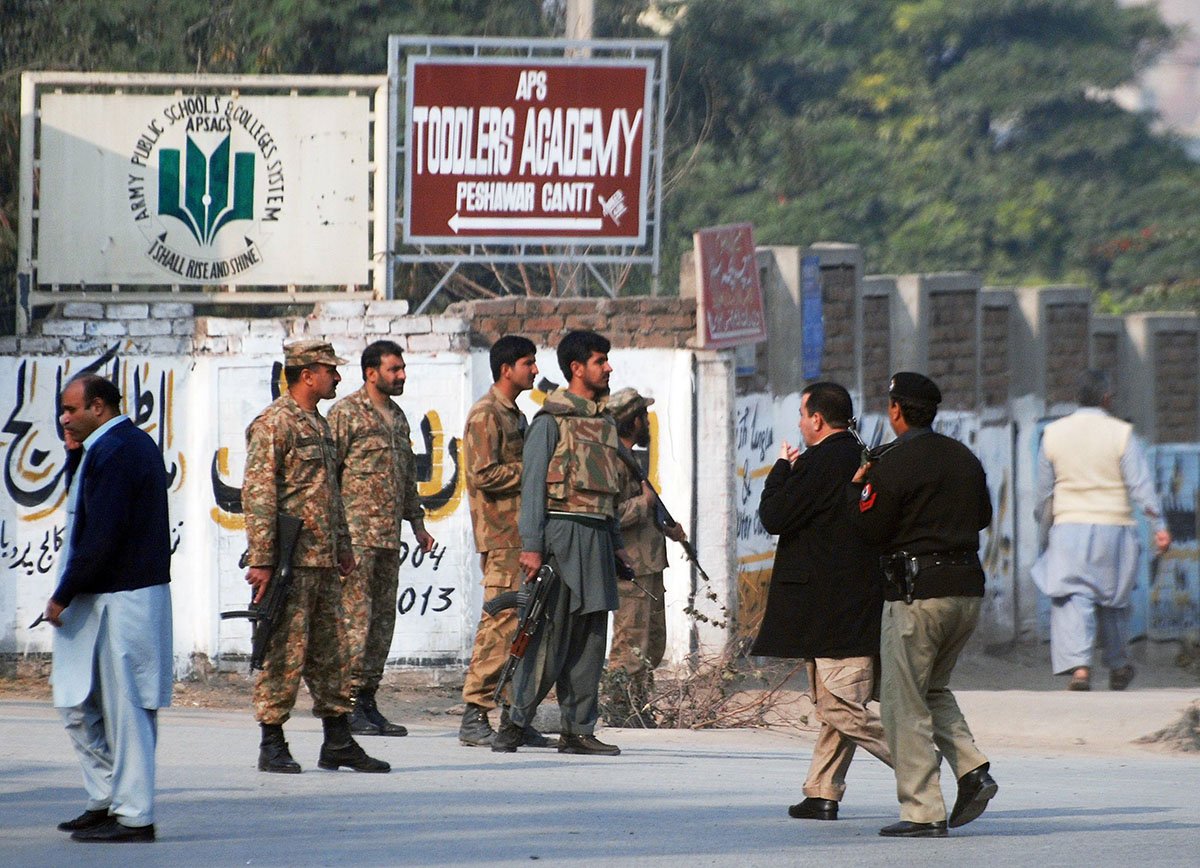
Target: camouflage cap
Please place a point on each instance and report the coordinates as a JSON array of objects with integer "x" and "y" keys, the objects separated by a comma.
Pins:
[
  {"x": 298, "y": 354},
  {"x": 626, "y": 403}
]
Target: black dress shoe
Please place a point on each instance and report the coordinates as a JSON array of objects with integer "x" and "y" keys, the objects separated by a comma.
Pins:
[
  {"x": 586, "y": 745},
  {"x": 113, "y": 832},
  {"x": 814, "y": 809},
  {"x": 908, "y": 829},
  {"x": 86, "y": 820},
  {"x": 975, "y": 789}
]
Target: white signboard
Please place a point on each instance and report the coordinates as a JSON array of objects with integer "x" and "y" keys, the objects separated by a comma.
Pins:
[{"x": 203, "y": 189}]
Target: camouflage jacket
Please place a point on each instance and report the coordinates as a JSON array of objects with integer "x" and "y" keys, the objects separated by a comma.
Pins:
[
  {"x": 377, "y": 469},
  {"x": 583, "y": 473},
  {"x": 492, "y": 445},
  {"x": 645, "y": 543},
  {"x": 290, "y": 468}
]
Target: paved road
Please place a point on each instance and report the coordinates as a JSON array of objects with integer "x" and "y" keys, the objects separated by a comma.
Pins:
[{"x": 672, "y": 798}]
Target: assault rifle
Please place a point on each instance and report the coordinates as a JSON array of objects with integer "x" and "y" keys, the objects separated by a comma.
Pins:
[
  {"x": 870, "y": 454},
  {"x": 531, "y": 600},
  {"x": 662, "y": 517},
  {"x": 267, "y": 614}
]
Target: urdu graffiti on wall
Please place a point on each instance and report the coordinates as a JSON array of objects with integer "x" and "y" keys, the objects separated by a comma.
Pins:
[
  {"x": 440, "y": 482},
  {"x": 31, "y": 442}
]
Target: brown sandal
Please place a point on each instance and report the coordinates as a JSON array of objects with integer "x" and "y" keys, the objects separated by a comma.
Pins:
[{"x": 1081, "y": 679}]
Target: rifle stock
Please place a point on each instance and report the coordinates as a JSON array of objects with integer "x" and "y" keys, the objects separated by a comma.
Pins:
[{"x": 267, "y": 614}]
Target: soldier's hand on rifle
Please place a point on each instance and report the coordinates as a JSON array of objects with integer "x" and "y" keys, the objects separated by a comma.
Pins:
[
  {"x": 861, "y": 474},
  {"x": 675, "y": 532},
  {"x": 257, "y": 578},
  {"x": 346, "y": 563},
  {"x": 530, "y": 563},
  {"x": 623, "y": 557}
]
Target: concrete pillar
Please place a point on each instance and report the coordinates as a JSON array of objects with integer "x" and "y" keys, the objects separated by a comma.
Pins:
[
  {"x": 1055, "y": 345},
  {"x": 942, "y": 340},
  {"x": 1162, "y": 391}
]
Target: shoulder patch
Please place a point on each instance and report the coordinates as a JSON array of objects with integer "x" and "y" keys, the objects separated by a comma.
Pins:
[{"x": 867, "y": 499}]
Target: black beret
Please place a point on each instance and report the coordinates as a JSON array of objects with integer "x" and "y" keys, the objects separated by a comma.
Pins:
[{"x": 915, "y": 387}]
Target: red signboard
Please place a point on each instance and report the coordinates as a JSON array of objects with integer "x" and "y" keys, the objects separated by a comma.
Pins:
[
  {"x": 533, "y": 150},
  {"x": 730, "y": 302}
]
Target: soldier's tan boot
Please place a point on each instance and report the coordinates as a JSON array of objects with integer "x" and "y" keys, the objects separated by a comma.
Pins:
[{"x": 340, "y": 749}]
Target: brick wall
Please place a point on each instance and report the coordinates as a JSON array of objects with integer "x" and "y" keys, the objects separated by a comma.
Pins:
[
  {"x": 627, "y": 322},
  {"x": 1106, "y": 349},
  {"x": 1066, "y": 338},
  {"x": 1177, "y": 405},
  {"x": 838, "y": 291},
  {"x": 995, "y": 374},
  {"x": 877, "y": 351},
  {"x": 952, "y": 347}
]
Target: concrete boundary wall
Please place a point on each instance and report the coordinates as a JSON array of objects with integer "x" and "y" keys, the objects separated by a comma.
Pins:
[{"x": 197, "y": 395}]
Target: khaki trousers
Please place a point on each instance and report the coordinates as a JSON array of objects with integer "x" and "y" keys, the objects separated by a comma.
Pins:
[
  {"x": 501, "y": 573},
  {"x": 840, "y": 689},
  {"x": 920, "y": 644},
  {"x": 640, "y": 622}
]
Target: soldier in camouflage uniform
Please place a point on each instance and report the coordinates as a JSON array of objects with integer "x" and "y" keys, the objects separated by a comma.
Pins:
[
  {"x": 492, "y": 445},
  {"x": 290, "y": 469},
  {"x": 639, "y": 625},
  {"x": 378, "y": 475},
  {"x": 569, "y": 494}
]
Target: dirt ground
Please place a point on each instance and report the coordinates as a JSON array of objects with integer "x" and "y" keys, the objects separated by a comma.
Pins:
[{"x": 431, "y": 697}]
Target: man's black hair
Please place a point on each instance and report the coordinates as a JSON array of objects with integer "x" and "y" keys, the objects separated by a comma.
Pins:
[
  {"x": 832, "y": 401},
  {"x": 917, "y": 414},
  {"x": 578, "y": 347},
  {"x": 1093, "y": 387},
  {"x": 509, "y": 350},
  {"x": 372, "y": 356},
  {"x": 96, "y": 386}
]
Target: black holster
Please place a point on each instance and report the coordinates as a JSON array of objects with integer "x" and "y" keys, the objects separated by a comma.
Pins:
[{"x": 900, "y": 570}]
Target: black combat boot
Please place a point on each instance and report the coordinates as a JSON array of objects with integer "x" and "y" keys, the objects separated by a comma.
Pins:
[
  {"x": 532, "y": 738},
  {"x": 383, "y": 726},
  {"x": 359, "y": 722},
  {"x": 273, "y": 753},
  {"x": 508, "y": 738},
  {"x": 475, "y": 729},
  {"x": 340, "y": 748}
]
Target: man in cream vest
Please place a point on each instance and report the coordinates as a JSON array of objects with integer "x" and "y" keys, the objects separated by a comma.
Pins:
[{"x": 1092, "y": 473}]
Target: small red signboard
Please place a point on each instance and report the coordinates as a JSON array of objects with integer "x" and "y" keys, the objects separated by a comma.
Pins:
[
  {"x": 533, "y": 150},
  {"x": 729, "y": 308}
]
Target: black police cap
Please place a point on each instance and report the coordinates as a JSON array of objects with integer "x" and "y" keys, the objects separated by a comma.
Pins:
[{"x": 915, "y": 387}]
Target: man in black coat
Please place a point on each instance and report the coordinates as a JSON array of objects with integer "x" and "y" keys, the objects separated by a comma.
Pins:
[
  {"x": 925, "y": 501},
  {"x": 826, "y": 593}
]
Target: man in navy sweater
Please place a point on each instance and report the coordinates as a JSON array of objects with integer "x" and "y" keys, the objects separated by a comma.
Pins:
[{"x": 113, "y": 665}]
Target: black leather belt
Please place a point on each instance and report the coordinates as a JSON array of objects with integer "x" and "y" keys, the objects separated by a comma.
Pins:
[{"x": 946, "y": 559}]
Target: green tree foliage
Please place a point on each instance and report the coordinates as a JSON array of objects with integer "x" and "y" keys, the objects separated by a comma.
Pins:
[{"x": 939, "y": 134}]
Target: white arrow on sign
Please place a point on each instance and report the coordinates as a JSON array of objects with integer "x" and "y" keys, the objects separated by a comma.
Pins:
[{"x": 547, "y": 224}]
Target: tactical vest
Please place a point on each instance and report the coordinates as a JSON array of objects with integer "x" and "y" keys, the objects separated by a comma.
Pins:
[{"x": 582, "y": 475}]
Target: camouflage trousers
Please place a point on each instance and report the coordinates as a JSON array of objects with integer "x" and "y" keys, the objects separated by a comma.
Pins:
[
  {"x": 640, "y": 622},
  {"x": 369, "y": 609},
  {"x": 492, "y": 637},
  {"x": 309, "y": 644}
]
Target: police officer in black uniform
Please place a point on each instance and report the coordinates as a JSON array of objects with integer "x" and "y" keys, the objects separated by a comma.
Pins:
[{"x": 924, "y": 501}]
